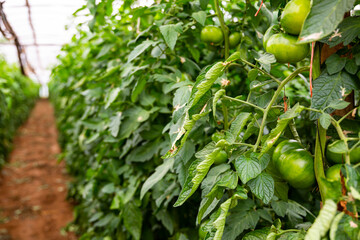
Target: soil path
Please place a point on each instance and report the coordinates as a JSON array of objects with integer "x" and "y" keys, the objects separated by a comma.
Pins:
[{"x": 33, "y": 184}]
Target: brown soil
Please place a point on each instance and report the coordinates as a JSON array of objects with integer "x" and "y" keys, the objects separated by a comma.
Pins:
[{"x": 33, "y": 184}]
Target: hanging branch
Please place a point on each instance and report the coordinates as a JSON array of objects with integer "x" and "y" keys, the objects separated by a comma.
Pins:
[
  {"x": 8, "y": 32},
  {"x": 33, "y": 32}
]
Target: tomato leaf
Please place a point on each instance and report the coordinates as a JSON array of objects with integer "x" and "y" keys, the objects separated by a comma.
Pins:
[
  {"x": 335, "y": 64},
  {"x": 280, "y": 127},
  {"x": 196, "y": 173},
  {"x": 323, "y": 221},
  {"x": 348, "y": 30},
  {"x": 212, "y": 178},
  {"x": 133, "y": 219},
  {"x": 139, "y": 49},
  {"x": 105, "y": 49},
  {"x": 139, "y": 87},
  {"x": 210, "y": 77},
  {"x": 353, "y": 180},
  {"x": 170, "y": 33},
  {"x": 351, "y": 66},
  {"x": 344, "y": 227},
  {"x": 200, "y": 17},
  {"x": 328, "y": 88},
  {"x": 263, "y": 187},
  {"x": 265, "y": 60},
  {"x": 247, "y": 168},
  {"x": 208, "y": 204},
  {"x": 325, "y": 120},
  {"x": 166, "y": 219},
  {"x": 338, "y": 104},
  {"x": 219, "y": 223},
  {"x": 263, "y": 160},
  {"x": 216, "y": 98},
  {"x": 213, "y": 186},
  {"x": 323, "y": 18},
  {"x": 114, "y": 125},
  {"x": 204, "y": 3},
  {"x": 259, "y": 234},
  {"x": 159, "y": 173},
  {"x": 241, "y": 217},
  {"x": 237, "y": 126},
  {"x": 110, "y": 98}
]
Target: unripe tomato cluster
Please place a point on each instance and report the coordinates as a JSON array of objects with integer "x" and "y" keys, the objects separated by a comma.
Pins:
[
  {"x": 336, "y": 154},
  {"x": 284, "y": 46},
  {"x": 213, "y": 35}
]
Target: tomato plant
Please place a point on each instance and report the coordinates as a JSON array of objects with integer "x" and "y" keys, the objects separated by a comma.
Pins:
[
  {"x": 17, "y": 97},
  {"x": 145, "y": 108}
]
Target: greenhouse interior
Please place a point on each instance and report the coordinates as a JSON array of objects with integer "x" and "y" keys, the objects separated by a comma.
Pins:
[{"x": 179, "y": 119}]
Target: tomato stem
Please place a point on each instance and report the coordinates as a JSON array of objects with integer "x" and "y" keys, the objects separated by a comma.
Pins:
[
  {"x": 272, "y": 101},
  {"x": 223, "y": 26},
  {"x": 294, "y": 131},
  {"x": 285, "y": 102},
  {"x": 311, "y": 66},
  {"x": 318, "y": 159},
  {"x": 260, "y": 70},
  {"x": 244, "y": 102},
  {"x": 259, "y": 8},
  {"x": 342, "y": 136},
  {"x": 225, "y": 113}
]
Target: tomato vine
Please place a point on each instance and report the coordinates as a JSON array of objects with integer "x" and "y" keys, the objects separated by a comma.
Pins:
[{"x": 170, "y": 134}]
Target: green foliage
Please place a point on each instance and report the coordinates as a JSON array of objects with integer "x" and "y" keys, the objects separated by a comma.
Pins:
[
  {"x": 138, "y": 96},
  {"x": 17, "y": 97},
  {"x": 323, "y": 19}
]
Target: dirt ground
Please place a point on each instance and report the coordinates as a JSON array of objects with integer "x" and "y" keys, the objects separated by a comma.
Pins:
[{"x": 33, "y": 184}]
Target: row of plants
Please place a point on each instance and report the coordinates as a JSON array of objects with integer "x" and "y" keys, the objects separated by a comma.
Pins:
[
  {"x": 17, "y": 97},
  {"x": 212, "y": 120}
]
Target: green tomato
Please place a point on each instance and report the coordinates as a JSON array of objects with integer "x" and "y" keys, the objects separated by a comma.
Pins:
[
  {"x": 212, "y": 35},
  {"x": 220, "y": 158},
  {"x": 285, "y": 48},
  {"x": 294, "y": 15},
  {"x": 284, "y": 146},
  {"x": 234, "y": 39},
  {"x": 333, "y": 173},
  {"x": 295, "y": 164},
  {"x": 269, "y": 32},
  {"x": 217, "y": 136},
  {"x": 335, "y": 153}
]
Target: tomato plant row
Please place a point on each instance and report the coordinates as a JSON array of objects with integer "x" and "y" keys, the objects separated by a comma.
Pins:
[
  {"x": 17, "y": 97},
  {"x": 180, "y": 120}
]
